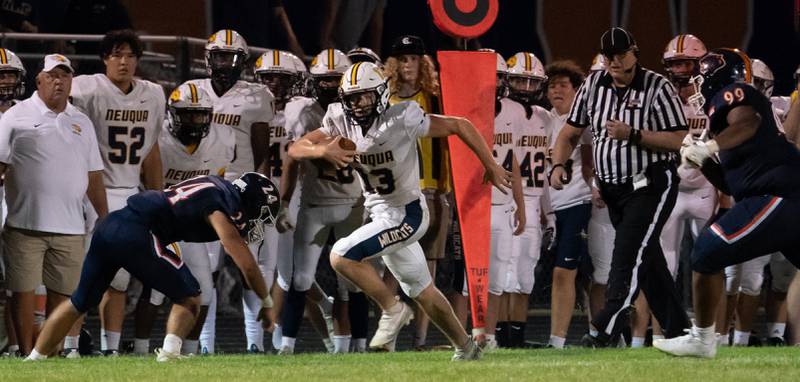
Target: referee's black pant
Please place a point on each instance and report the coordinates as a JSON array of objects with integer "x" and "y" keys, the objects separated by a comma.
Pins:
[{"x": 638, "y": 262}]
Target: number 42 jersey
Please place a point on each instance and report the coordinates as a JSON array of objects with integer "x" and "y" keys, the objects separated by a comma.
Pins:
[
  {"x": 386, "y": 159},
  {"x": 127, "y": 125}
]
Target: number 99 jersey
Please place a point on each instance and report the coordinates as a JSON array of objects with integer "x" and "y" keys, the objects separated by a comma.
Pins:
[
  {"x": 386, "y": 159},
  {"x": 127, "y": 125}
]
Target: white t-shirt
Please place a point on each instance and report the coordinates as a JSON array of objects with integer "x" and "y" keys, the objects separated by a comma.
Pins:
[
  {"x": 532, "y": 151},
  {"x": 387, "y": 159},
  {"x": 127, "y": 125},
  {"x": 576, "y": 192},
  {"x": 508, "y": 125},
  {"x": 322, "y": 186},
  {"x": 239, "y": 108},
  {"x": 214, "y": 153},
  {"x": 692, "y": 178},
  {"x": 781, "y": 105},
  {"x": 49, "y": 157}
]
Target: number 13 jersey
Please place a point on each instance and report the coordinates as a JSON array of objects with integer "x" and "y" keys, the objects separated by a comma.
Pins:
[
  {"x": 127, "y": 125},
  {"x": 387, "y": 161}
]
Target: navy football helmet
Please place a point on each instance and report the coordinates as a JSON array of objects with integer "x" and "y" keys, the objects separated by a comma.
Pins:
[
  {"x": 718, "y": 69},
  {"x": 261, "y": 203}
]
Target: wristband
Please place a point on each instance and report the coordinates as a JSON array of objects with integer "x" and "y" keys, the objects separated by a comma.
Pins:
[{"x": 635, "y": 136}]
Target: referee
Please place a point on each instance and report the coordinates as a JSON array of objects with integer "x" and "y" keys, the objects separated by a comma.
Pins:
[{"x": 637, "y": 125}]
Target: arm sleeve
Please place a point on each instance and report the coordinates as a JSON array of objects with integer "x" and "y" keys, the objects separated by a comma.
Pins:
[
  {"x": 667, "y": 114},
  {"x": 416, "y": 121},
  {"x": 579, "y": 112}
]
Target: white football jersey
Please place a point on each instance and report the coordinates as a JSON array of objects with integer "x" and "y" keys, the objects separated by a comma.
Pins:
[
  {"x": 693, "y": 178},
  {"x": 576, "y": 191},
  {"x": 508, "y": 125},
  {"x": 127, "y": 125},
  {"x": 532, "y": 149},
  {"x": 781, "y": 105},
  {"x": 278, "y": 147},
  {"x": 239, "y": 108},
  {"x": 387, "y": 161},
  {"x": 323, "y": 186},
  {"x": 212, "y": 156}
]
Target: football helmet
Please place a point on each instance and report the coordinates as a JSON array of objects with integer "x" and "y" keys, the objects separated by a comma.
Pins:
[
  {"x": 718, "y": 69},
  {"x": 598, "y": 63},
  {"x": 326, "y": 74},
  {"x": 763, "y": 79},
  {"x": 683, "y": 48},
  {"x": 279, "y": 72},
  {"x": 189, "y": 111},
  {"x": 361, "y": 54},
  {"x": 525, "y": 77},
  {"x": 12, "y": 76},
  {"x": 226, "y": 54},
  {"x": 260, "y": 203},
  {"x": 364, "y": 93},
  {"x": 501, "y": 89}
]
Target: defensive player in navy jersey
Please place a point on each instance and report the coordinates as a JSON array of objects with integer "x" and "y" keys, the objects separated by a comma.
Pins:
[
  {"x": 138, "y": 239},
  {"x": 758, "y": 167}
]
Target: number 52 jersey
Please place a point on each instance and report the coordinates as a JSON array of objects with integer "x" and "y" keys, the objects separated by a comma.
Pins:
[
  {"x": 127, "y": 125},
  {"x": 386, "y": 159}
]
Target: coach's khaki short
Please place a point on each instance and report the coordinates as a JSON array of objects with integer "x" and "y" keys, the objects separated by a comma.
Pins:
[
  {"x": 441, "y": 214},
  {"x": 34, "y": 258}
]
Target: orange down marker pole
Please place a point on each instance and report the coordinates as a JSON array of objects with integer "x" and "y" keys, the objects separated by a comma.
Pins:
[{"x": 468, "y": 88}]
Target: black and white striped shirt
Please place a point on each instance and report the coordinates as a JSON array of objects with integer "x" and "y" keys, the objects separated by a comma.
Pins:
[{"x": 650, "y": 103}]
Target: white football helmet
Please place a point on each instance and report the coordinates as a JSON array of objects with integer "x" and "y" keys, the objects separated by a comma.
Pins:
[
  {"x": 189, "y": 113},
  {"x": 279, "y": 72},
  {"x": 763, "y": 79},
  {"x": 598, "y": 63},
  {"x": 226, "y": 54},
  {"x": 10, "y": 63},
  {"x": 360, "y": 54},
  {"x": 525, "y": 77},
  {"x": 683, "y": 47},
  {"x": 364, "y": 93},
  {"x": 326, "y": 72}
]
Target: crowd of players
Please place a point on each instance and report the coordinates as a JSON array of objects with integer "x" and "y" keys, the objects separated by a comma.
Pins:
[{"x": 226, "y": 126}]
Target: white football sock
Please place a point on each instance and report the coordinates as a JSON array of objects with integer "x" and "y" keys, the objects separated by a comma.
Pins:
[
  {"x": 557, "y": 342},
  {"x": 208, "y": 334},
  {"x": 637, "y": 342},
  {"x": 276, "y": 337},
  {"x": 658, "y": 337},
  {"x": 288, "y": 342},
  {"x": 341, "y": 344},
  {"x": 251, "y": 304},
  {"x": 109, "y": 340},
  {"x": 35, "y": 356},
  {"x": 740, "y": 338},
  {"x": 594, "y": 333},
  {"x": 172, "y": 344},
  {"x": 71, "y": 342},
  {"x": 706, "y": 334},
  {"x": 776, "y": 329}
]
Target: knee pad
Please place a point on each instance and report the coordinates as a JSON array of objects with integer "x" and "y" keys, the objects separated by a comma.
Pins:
[
  {"x": 600, "y": 273},
  {"x": 121, "y": 280},
  {"x": 751, "y": 283},
  {"x": 301, "y": 281},
  {"x": 408, "y": 265},
  {"x": 782, "y": 273},
  {"x": 732, "y": 279}
]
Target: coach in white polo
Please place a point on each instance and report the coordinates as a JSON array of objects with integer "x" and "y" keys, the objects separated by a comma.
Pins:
[{"x": 50, "y": 158}]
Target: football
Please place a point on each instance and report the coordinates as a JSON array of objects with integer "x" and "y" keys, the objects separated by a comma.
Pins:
[{"x": 324, "y": 165}]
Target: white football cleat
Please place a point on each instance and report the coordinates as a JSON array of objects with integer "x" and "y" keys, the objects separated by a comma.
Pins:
[
  {"x": 163, "y": 356},
  {"x": 689, "y": 345},
  {"x": 286, "y": 350},
  {"x": 71, "y": 354},
  {"x": 470, "y": 352},
  {"x": 389, "y": 327}
]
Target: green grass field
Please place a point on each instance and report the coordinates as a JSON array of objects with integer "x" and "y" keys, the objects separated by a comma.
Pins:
[{"x": 748, "y": 364}]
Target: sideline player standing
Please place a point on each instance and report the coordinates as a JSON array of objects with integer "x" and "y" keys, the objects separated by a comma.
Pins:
[
  {"x": 387, "y": 164},
  {"x": 138, "y": 238},
  {"x": 244, "y": 107},
  {"x": 127, "y": 114}
]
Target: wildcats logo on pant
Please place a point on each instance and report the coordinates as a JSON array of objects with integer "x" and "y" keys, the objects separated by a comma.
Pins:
[{"x": 394, "y": 235}]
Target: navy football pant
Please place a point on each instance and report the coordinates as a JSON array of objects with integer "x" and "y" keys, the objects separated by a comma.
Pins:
[
  {"x": 754, "y": 227},
  {"x": 122, "y": 240}
]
